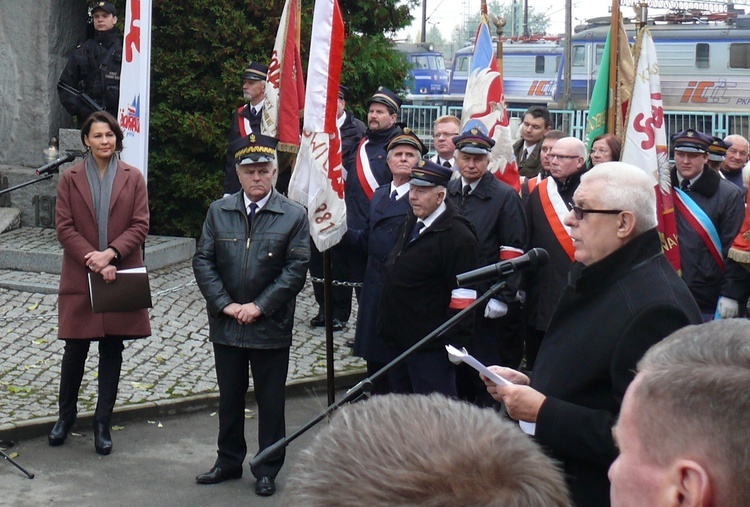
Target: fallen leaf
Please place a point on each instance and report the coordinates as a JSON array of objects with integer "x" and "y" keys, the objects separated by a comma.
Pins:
[
  {"x": 142, "y": 385},
  {"x": 118, "y": 428},
  {"x": 159, "y": 359},
  {"x": 17, "y": 389},
  {"x": 212, "y": 414},
  {"x": 40, "y": 341},
  {"x": 160, "y": 425},
  {"x": 34, "y": 306},
  {"x": 151, "y": 422},
  {"x": 13, "y": 455}
]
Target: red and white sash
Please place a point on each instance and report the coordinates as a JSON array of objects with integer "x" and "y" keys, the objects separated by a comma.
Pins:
[
  {"x": 364, "y": 171},
  {"x": 701, "y": 223},
  {"x": 243, "y": 123},
  {"x": 555, "y": 211}
]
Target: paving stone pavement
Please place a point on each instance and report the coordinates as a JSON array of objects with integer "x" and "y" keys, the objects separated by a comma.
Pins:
[{"x": 175, "y": 363}]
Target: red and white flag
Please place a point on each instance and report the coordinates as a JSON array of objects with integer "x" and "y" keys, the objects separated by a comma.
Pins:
[
  {"x": 484, "y": 107},
  {"x": 135, "y": 82},
  {"x": 317, "y": 180},
  {"x": 285, "y": 89},
  {"x": 645, "y": 143}
]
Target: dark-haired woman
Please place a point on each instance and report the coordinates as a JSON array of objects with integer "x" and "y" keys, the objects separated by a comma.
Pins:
[
  {"x": 101, "y": 221},
  {"x": 605, "y": 148}
]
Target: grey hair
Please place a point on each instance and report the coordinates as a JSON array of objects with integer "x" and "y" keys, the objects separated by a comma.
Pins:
[
  {"x": 427, "y": 451},
  {"x": 627, "y": 188},
  {"x": 693, "y": 399}
]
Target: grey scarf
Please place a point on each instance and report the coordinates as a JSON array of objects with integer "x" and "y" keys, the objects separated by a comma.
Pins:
[{"x": 101, "y": 194}]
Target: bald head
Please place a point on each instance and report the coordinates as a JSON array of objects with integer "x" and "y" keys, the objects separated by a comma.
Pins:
[{"x": 567, "y": 157}]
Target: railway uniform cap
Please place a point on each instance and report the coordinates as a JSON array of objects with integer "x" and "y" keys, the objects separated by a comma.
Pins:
[
  {"x": 430, "y": 174},
  {"x": 691, "y": 141},
  {"x": 718, "y": 149},
  {"x": 474, "y": 141},
  {"x": 253, "y": 149},
  {"x": 408, "y": 138},
  {"x": 386, "y": 97},
  {"x": 343, "y": 92},
  {"x": 105, "y": 6},
  {"x": 256, "y": 71}
]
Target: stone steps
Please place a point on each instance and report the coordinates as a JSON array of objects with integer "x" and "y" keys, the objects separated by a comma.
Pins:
[{"x": 31, "y": 257}]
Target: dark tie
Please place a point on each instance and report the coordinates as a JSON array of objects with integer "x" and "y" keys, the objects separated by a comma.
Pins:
[
  {"x": 524, "y": 153},
  {"x": 466, "y": 192},
  {"x": 447, "y": 164},
  {"x": 394, "y": 196},
  {"x": 251, "y": 214},
  {"x": 415, "y": 231},
  {"x": 685, "y": 185},
  {"x": 253, "y": 112}
]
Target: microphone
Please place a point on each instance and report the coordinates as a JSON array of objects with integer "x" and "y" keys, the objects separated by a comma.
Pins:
[
  {"x": 52, "y": 167},
  {"x": 534, "y": 258}
]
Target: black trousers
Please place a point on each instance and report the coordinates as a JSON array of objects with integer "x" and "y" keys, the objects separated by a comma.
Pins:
[
  {"x": 71, "y": 376},
  {"x": 269, "y": 369},
  {"x": 340, "y": 271}
]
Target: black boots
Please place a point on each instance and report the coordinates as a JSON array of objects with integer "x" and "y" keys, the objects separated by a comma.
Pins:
[
  {"x": 102, "y": 438},
  {"x": 60, "y": 431}
]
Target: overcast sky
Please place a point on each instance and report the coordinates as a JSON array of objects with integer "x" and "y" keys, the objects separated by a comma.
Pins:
[{"x": 449, "y": 13}]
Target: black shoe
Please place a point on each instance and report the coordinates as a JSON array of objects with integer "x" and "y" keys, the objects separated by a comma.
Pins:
[
  {"x": 59, "y": 432},
  {"x": 217, "y": 475},
  {"x": 318, "y": 321},
  {"x": 102, "y": 438},
  {"x": 265, "y": 486},
  {"x": 338, "y": 324}
]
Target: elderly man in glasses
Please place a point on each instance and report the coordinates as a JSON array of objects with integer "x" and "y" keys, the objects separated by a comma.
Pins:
[
  {"x": 622, "y": 297},
  {"x": 546, "y": 207}
]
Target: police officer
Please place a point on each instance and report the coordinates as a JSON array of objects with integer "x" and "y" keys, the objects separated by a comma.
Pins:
[{"x": 93, "y": 70}]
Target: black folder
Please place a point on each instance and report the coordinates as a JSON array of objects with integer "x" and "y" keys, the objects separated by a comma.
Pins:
[{"x": 130, "y": 291}]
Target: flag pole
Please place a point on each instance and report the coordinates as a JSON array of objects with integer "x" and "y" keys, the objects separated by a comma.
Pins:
[{"x": 614, "y": 47}]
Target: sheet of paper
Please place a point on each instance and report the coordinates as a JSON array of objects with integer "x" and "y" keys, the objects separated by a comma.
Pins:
[
  {"x": 462, "y": 356},
  {"x": 457, "y": 356},
  {"x": 142, "y": 269}
]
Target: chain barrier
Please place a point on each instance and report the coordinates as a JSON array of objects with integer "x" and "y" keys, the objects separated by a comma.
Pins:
[
  {"x": 337, "y": 282},
  {"x": 48, "y": 316}
]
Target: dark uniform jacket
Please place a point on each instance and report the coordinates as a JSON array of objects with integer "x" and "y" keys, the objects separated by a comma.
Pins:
[
  {"x": 357, "y": 202},
  {"x": 385, "y": 221},
  {"x": 609, "y": 315},
  {"x": 533, "y": 163},
  {"x": 352, "y": 132},
  {"x": 722, "y": 202},
  {"x": 83, "y": 72},
  {"x": 495, "y": 210},
  {"x": 266, "y": 265},
  {"x": 545, "y": 285},
  {"x": 419, "y": 278},
  {"x": 231, "y": 181}
]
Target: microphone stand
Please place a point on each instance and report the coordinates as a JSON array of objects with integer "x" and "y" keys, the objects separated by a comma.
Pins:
[
  {"x": 364, "y": 387},
  {"x": 46, "y": 172},
  {"x": 10, "y": 460}
]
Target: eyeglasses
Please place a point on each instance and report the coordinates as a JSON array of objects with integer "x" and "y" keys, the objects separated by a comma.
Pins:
[
  {"x": 449, "y": 136},
  {"x": 569, "y": 157},
  {"x": 579, "y": 212}
]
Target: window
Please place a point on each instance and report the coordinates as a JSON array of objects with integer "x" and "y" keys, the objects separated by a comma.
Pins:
[
  {"x": 599, "y": 54},
  {"x": 701, "y": 55},
  {"x": 579, "y": 56},
  {"x": 739, "y": 56},
  {"x": 539, "y": 64}
]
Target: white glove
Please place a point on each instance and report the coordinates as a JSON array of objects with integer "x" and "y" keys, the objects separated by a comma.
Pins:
[
  {"x": 727, "y": 308},
  {"x": 495, "y": 309}
]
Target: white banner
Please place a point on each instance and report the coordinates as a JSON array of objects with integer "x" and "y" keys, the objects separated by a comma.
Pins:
[
  {"x": 317, "y": 181},
  {"x": 135, "y": 83}
]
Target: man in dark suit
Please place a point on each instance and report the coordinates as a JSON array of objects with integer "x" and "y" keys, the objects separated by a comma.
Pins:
[
  {"x": 495, "y": 210},
  {"x": 246, "y": 119},
  {"x": 536, "y": 122},
  {"x": 388, "y": 211},
  {"x": 623, "y": 296},
  {"x": 434, "y": 245}
]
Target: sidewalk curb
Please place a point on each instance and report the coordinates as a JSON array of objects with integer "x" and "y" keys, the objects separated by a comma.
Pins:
[{"x": 38, "y": 427}]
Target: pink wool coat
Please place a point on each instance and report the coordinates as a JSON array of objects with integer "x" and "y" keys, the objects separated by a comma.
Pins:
[{"x": 78, "y": 235}]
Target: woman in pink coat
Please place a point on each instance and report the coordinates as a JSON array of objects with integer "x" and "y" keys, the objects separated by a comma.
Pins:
[{"x": 102, "y": 222}]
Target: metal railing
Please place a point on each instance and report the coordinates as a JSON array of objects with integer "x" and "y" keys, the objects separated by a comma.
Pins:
[{"x": 420, "y": 118}]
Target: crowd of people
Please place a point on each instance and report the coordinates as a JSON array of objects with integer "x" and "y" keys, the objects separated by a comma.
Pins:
[{"x": 569, "y": 337}]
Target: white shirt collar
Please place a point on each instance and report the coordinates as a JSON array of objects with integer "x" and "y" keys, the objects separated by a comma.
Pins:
[
  {"x": 433, "y": 216},
  {"x": 260, "y": 203},
  {"x": 400, "y": 190}
]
